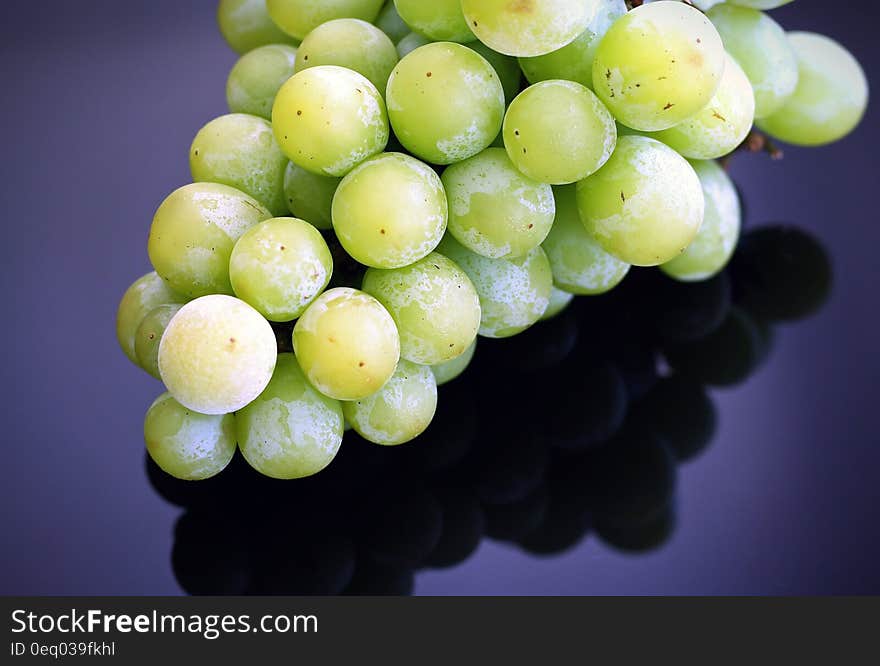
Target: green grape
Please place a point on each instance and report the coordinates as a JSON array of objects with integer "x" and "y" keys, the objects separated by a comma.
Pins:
[
  {"x": 559, "y": 300},
  {"x": 329, "y": 119},
  {"x": 245, "y": 25},
  {"x": 290, "y": 431},
  {"x": 760, "y": 4},
  {"x": 760, "y": 46},
  {"x": 434, "y": 305},
  {"x": 505, "y": 67},
  {"x": 350, "y": 43},
  {"x": 658, "y": 65},
  {"x": 514, "y": 293},
  {"x": 446, "y": 372},
  {"x": 558, "y": 132},
  {"x": 217, "y": 354},
  {"x": 239, "y": 150},
  {"x": 712, "y": 248},
  {"x": 299, "y": 17},
  {"x": 391, "y": 24},
  {"x": 831, "y": 95},
  {"x": 494, "y": 210},
  {"x": 410, "y": 43},
  {"x": 528, "y": 27},
  {"x": 439, "y": 20},
  {"x": 720, "y": 127},
  {"x": 645, "y": 206},
  {"x": 400, "y": 411},
  {"x": 280, "y": 266},
  {"x": 149, "y": 334},
  {"x": 257, "y": 77},
  {"x": 574, "y": 61},
  {"x": 193, "y": 233},
  {"x": 445, "y": 102},
  {"x": 310, "y": 196},
  {"x": 147, "y": 293},
  {"x": 390, "y": 211},
  {"x": 185, "y": 444},
  {"x": 347, "y": 344},
  {"x": 579, "y": 264}
]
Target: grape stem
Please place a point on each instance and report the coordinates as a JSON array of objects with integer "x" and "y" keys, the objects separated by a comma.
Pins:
[{"x": 755, "y": 142}]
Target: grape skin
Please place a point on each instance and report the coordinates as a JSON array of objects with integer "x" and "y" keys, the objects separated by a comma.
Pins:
[
  {"x": 256, "y": 78},
  {"x": 559, "y": 301},
  {"x": 449, "y": 370},
  {"x": 505, "y": 67},
  {"x": 310, "y": 196},
  {"x": 710, "y": 251},
  {"x": 390, "y": 23},
  {"x": 245, "y": 25},
  {"x": 290, "y": 431},
  {"x": 329, "y": 119},
  {"x": 193, "y": 233},
  {"x": 514, "y": 293},
  {"x": 439, "y": 20},
  {"x": 760, "y": 4},
  {"x": 831, "y": 96},
  {"x": 400, "y": 411},
  {"x": 494, "y": 209},
  {"x": 645, "y": 206},
  {"x": 434, "y": 304},
  {"x": 145, "y": 294},
  {"x": 658, "y": 65},
  {"x": 185, "y": 444},
  {"x": 299, "y": 17},
  {"x": 579, "y": 264},
  {"x": 347, "y": 344},
  {"x": 217, "y": 354},
  {"x": 148, "y": 336},
  {"x": 390, "y": 211},
  {"x": 351, "y": 43},
  {"x": 410, "y": 43},
  {"x": 239, "y": 150}
]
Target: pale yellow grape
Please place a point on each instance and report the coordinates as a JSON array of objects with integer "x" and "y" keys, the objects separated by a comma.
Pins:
[
  {"x": 410, "y": 43},
  {"x": 310, "y": 196},
  {"x": 347, "y": 344},
  {"x": 445, "y": 102},
  {"x": 446, "y": 372},
  {"x": 239, "y": 150},
  {"x": 574, "y": 61},
  {"x": 579, "y": 264},
  {"x": 433, "y": 303},
  {"x": 290, "y": 431},
  {"x": 558, "y": 132},
  {"x": 390, "y": 23},
  {"x": 559, "y": 300},
  {"x": 645, "y": 206},
  {"x": 494, "y": 209},
  {"x": 528, "y": 27},
  {"x": 149, "y": 335},
  {"x": 439, "y": 20},
  {"x": 720, "y": 127},
  {"x": 831, "y": 95},
  {"x": 185, "y": 444},
  {"x": 299, "y": 17},
  {"x": 514, "y": 293},
  {"x": 245, "y": 25},
  {"x": 193, "y": 233},
  {"x": 658, "y": 65},
  {"x": 329, "y": 119},
  {"x": 217, "y": 354},
  {"x": 280, "y": 266},
  {"x": 390, "y": 211},
  {"x": 350, "y": 43},
  {"x": 760, "y": 46},
  {"x": 710, "y": 251},
  {"x": 256, "y": 78},
  {"x": 506, "y": 67},
  {"x": 145, "y": 294},
  {"x": 400, "y": 411}
]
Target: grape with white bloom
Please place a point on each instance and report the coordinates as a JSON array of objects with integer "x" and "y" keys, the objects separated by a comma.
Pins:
[
  {"x": 245, "y": 25},
  {"x": 144, "y": 295},
  {"x": 439, "y": 20},
  {"x": 149, "y": 335},
  {"x": 559, "y": 300},
  {"x": 446, "y": 372},
  {"x": 257, "y": 77}
]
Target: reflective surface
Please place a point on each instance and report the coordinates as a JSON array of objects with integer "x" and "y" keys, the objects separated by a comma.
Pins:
[{"x": 662, "y": 439}]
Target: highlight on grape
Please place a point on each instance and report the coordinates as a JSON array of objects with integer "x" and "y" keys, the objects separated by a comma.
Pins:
[{"x": 395, "y": 179}]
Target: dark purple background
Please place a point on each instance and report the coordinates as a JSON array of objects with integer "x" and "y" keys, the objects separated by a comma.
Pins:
[{"x": 100, "y": 102}]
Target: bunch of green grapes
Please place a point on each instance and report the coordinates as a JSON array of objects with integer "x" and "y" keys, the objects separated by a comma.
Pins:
[{"x": 397, "y": 178}]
